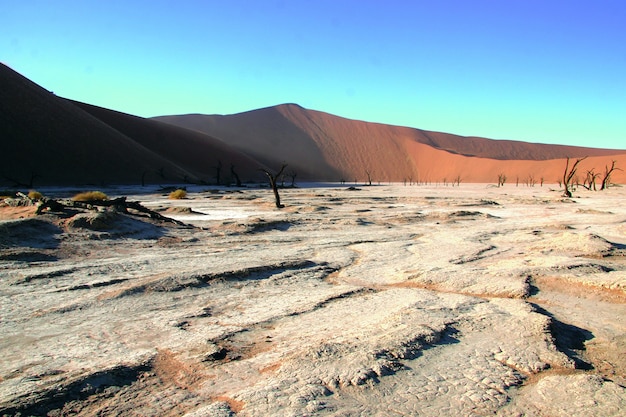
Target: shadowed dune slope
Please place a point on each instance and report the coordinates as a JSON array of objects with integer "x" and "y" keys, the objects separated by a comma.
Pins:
[
  {"x": 269, "y": 136},
  {"x": 196, "y": 152},
  {"x": 46, "y": 139},
  {"x": 333, "y": 148},
  {"x": 50, "y": 139}
]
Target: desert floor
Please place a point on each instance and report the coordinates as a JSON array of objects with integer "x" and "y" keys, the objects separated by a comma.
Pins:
[{"x": 388, "y": 300}]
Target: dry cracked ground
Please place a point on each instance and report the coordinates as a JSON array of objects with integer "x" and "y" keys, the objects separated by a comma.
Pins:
[{"x": 387, "y": 300}]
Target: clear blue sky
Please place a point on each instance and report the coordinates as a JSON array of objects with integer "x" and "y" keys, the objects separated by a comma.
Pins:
[{"x": 551, "y": 71}]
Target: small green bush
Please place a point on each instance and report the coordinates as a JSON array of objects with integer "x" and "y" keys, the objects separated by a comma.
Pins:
[
  {"x": 90, "y": 196},
  {"x": 177, "y": 194},
  {"x": 35, "y": 195}
]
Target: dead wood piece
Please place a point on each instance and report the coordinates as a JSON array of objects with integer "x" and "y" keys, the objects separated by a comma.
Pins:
[
  {"x": 119, "y": 204},
  {"x": 51, "y": 204}
]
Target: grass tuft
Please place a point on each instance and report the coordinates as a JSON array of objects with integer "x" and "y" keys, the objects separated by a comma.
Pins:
[
  {"x": 177, "y": 194},
  {"x": 35, "y": 195},
  {"x": 90, "y": 196}
]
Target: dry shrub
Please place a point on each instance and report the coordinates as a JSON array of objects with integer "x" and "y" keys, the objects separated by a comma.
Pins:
[
  {"x": 35, "y": 195},
  {"x": 177, "y": 194},
  {"x": 90, "y": 196}
]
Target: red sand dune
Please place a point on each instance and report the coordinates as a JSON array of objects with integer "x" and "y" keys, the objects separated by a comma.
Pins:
[
  {"x": 45, "y": 139},
  {"x": 329, "y": 147}
]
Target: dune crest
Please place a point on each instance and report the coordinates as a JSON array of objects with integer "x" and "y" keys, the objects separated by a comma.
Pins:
[
  {"x": 322, "y": 146},
  {"x": 48, "y": 140}
]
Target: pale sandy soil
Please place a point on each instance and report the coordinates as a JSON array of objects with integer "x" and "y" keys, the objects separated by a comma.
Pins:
[{"x": 383, "y": 301}]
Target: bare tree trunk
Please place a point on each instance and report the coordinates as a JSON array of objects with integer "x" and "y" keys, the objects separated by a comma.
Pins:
[
  {"x": 218, "y": 172},
  {"x": 273, "y": 178},
  {"x": 234, "y": 174},
  {"x": 17, "y": 183},
  {"x": 567, "y": 192},
  {"x": 606, "y": 181},
  {"x": 293, "y": 174},
  {"x": 501, "y": 179},
  {"x": 568, "y": 175}
]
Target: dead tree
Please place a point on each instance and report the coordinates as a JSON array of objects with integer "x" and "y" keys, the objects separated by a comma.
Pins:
[
  {"x": 568, "y": 175},
  {"x": 274, "y": 185},
  {"x": 234, "y": 174},
  {"x": 218, "y": 172},
  {"x": 292, "y": 175},
  {"x": 590, "y": 179},
  {"x": 606, "y": 181},
  {"x": 501, "y": 179},
  {"x": 119, "y": 204},
  {"x": 369, "y": 176},
  {"x": 18, "y": 183}
]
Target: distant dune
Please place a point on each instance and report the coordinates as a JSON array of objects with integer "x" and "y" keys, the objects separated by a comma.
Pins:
[
  {"x": 329, "y": 147},
  {"x": 46, "y": 139}
]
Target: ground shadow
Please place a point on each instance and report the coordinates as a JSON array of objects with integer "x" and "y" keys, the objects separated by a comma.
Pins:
[
  {"x": 30, "y": 233},
  {"x": 447, "y": 337},
  {"x": 569, "y": 339},
  {"x": 48, "y": 402},
  {"x": 618, "y": 246},
  {"x": 260, "y": 226}
]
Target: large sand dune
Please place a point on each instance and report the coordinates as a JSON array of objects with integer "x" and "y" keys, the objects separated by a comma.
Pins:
[
  {"x": 48, "y": 140},
  {"x": 386, "y": 300},
  {"x": 323, "y": 146}
]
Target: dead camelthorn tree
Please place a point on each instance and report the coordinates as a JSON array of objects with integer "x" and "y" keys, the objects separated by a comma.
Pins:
[
  {"x": 218, "y": 172},
  {"x": 606, "y": 181},
  {"x": 17, "y": 183},
  {"x": 590, "y": 180},
  {"x": 234, "y": 174},
  {"x": 568, "y": 175},
  {"x": 501, "y": 179},
  {"x": 274, "y": 185},
  {"x": 292, "y": 175}
]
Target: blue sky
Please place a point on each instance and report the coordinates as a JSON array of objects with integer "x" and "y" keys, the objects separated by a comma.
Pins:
[{"x": 539, "y": 71}]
